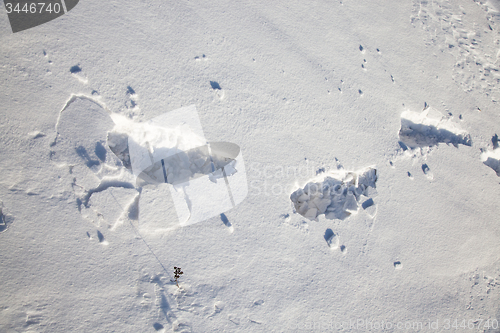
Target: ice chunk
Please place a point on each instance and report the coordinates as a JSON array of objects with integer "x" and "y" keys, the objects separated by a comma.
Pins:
[
  {"x": 230, "y": 169},
  {"x": 217, "y": 174},
  {"x": 311, "y": 213},
  {"x": 322, "y": 204}
]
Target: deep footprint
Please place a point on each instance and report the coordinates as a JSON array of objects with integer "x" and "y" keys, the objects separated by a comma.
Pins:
[
  {"x": 429, "y": 128},
  {"x": 5, "y": 220},
  {"x": 337, "y": 195},
  {"x": 331, "y": 239},
  {"x": 491, "y": 158}
]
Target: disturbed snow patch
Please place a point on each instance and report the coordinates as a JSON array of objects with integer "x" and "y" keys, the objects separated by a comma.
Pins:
[
  {"x": 338, "y": 195},
  {"x": 470, "y": 34},
  {"x": 491, "y": 158},
  {"x": 422, "y": 132},
  {"x": 429, "y": 128},
  {"x": 186, "y": 156},
  {"x": 148, "y": 135},
  {"x": 102, "y": 187},
  {"x": 181, "y": 137}
]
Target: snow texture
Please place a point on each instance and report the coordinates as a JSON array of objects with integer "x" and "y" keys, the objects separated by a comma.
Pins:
[{"x": 96, "y": 103}]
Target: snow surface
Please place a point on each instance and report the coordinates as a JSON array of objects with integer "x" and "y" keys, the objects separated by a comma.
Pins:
[{"x": 306, "y": 89}]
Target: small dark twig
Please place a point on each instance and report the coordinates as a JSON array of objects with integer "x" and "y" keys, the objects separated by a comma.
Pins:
[{"x": 177, "y": 275}]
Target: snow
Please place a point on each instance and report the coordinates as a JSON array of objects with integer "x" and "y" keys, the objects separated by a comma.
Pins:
[{"x": 391, "y": 109}]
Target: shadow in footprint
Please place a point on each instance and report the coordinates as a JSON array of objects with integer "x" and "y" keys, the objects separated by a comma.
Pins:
[
  {"x": 494, "y": 141},
  {"x": 368, "y": 203},
  {"x": 130, "y": 91},
  {"x": 82, "y": 152},
  {"x": 494, "y": 164},
  {"x": 320, "y": 170},
  {"x": 415, "y": 135},
  {"x": 215, "y": 85},
  {"x": 224, "y": 219},
  {"x": 75, "y": 69},
  {"x": 133, "y": 209},
  {"x": 328, "y": 234},
  {"x": 402, "y": 145},
  {"x": 79, "y": 203},
  {"x": 100, "y": 151},
  {"x": 331, "y": 239},
  {"x": 118, "y": 144},
  {"x": 425, "y": 168},
  {"x": 100, "y": 236},
  {"x": 165, "y": 307},
  {"x": 5, "y": 221},
  {"x": 157, "y": 326}
]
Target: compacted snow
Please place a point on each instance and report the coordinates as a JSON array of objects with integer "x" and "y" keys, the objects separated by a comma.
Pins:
[{"x": 326, "y": 166}]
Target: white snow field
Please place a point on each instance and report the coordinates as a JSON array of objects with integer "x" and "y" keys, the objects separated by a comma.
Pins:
[{"x": 389, "y": 110}]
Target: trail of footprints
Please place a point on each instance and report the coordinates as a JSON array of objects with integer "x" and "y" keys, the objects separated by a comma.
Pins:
[
  {"x": 167, "y": 306},
  {"x": 420, "y": 132},
  {"x": 97, "y": 161},
  {"x": 95, "y": 164},
  {"x": 453, "y": 27},
  {"x": 342, "y": 193},
  {"x": 483, "y": 290},
  {"x": 342, "y": 86}
]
